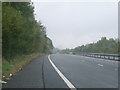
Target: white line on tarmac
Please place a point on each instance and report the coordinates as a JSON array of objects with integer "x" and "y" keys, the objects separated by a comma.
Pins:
[
  {"x": 100, "y": 65},
  {"x": 2, "y": 81},
  {"x": 69, "y": 84}
]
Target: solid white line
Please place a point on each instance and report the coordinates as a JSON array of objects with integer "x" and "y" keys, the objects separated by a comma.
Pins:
[{"x": 69, "y": 84}]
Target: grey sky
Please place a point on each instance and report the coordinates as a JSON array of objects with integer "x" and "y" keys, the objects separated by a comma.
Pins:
[{"x": 73, "y": 24}]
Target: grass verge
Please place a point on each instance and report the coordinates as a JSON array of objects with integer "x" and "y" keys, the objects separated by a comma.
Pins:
[{"x": 16, "y": 64}]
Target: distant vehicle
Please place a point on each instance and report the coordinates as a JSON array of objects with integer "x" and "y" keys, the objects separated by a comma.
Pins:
[{"x": 73, "y": 53}]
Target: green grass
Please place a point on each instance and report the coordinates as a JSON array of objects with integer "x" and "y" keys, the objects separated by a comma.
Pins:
[{"x": 16, "y": 64}]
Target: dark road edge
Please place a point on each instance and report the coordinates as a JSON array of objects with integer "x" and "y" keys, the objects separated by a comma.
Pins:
[{"x": 60, "y": 89}]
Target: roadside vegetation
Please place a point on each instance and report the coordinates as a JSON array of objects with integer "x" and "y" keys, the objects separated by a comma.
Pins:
[
  {"x": 16, "y": 64},
  {"x": 103, "y": 45},
  {"x": 23, "y": 38}
]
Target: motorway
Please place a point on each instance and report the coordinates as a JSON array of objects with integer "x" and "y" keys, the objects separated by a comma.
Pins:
[{"x": 65, "y": 71}]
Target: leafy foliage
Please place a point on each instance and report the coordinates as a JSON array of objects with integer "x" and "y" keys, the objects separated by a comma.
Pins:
[
  {"x": 102, "y": 46},
  {"x": 22, "y": 34}
]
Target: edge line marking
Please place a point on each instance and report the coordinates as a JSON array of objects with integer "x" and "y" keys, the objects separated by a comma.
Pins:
[{"x": 69, "y": 84}]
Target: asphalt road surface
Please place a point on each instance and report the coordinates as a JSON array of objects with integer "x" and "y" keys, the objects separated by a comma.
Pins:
[{"x": 65, "y": 71}]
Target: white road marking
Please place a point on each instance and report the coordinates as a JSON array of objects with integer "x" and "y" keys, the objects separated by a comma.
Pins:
[
  {"x": 100, "y": 65},
  {"x": 69, "y": 84},
  {"x": 2, "y": 81}
]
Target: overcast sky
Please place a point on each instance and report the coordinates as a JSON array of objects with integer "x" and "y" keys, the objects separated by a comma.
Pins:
[{"x": 74, "y": 24}]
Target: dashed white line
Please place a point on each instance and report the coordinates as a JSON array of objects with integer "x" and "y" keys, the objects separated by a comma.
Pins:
[
  {"x": 69, "y": 84},
  {"x": 100, "y": 65}
]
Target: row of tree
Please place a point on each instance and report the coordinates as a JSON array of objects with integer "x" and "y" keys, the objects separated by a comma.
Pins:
[
  {"x": 21, "y": 33},
  {"x": 102, "y": 46}
]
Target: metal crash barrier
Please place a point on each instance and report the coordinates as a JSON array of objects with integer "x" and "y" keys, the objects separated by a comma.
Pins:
[{"x": 102, "y": 55}]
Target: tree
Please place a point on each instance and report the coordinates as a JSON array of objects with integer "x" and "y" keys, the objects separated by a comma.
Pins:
[
  {"x": 102, "y": 46},
  {"x": 22, "y": 34}
]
